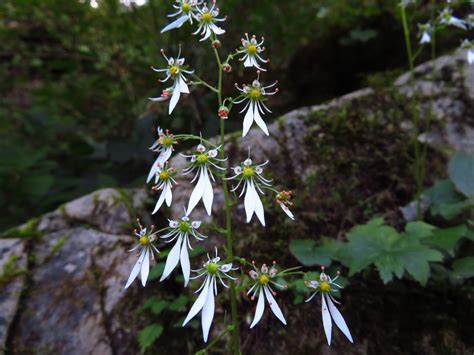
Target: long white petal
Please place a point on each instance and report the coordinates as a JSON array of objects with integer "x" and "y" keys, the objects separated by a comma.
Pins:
[
  {"x": 327, "y": 323},
  {"x": 248, "y": 201},
  {"x": 174, "y": 99},
  {"x": 338, "y": 319},
  {"x": 259, "y": 310},
  {"x": 154, "y": 170},
  {"x": 173, "y": 259},
  {"x": 207, "y": 314},
  {"x": 199, "y": 303},
  {"x": 258, "y": 120},
  {"x": 184, "y": 258},
  {"x": 197, "y": 193},
  {"x": 145, "y": 269},
  {"x": 175, "y": 24},
  {"x": 248, "y": 62},
  {"x": 183, "y": 87},
  {"x": 287, "y": 211},
  {"x": 208, "y": 193},
  {"x": 274, "y": 306},
  {"x": 135, "y": 270},
  {"x": 258, "y": 206},
  {"x": 160, "y": 201},
  {"x": 248, "y": 119},
  {"x": 168, "y": 193}
]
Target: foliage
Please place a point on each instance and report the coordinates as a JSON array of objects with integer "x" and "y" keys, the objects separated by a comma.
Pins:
[{"x": 10, "y": 270}]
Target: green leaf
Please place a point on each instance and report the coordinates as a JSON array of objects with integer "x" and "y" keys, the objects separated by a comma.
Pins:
[
  {"x": 156, "y": 271},
  {"x": 416, "y": 260},
  {"x": 155, "y": 305},
  {"x": 307, "y": 253},
  {"x": 148, "y": 335},
  {"x": 464, "y": 268},
  {"x": 419, "y": 230},
  {"x": 179, "y": 304},
  {"x": 197, "y": 251},
  {"x": 461, "y": 172},
  {"x": 447, "y": 238}
]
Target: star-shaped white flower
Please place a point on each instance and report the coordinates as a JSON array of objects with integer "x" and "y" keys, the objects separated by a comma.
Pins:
[
  {"x": 174, "y": 71},
  {"x": 251, "y": 49},
  {"x": 425, "y": 31},
  {"x": 212, "y": 270},
  {"x": 446, "y": 18},
  {"x": 255, "y": 95},
  {"x": 180, "y": 231},
  {"x": 204, "y": 161},
  {"x": 250, "y": 176},
  {"x": 325, "y": 286},
  {"x": 146, "y": 251},
  {"x": 262, "y": 286},
  {"x": 164, "y": 184},
  {"x": 468, "y": 46},
  {"x": 186, "y": 10},
  {"x": 207, "y": 18},
  {"x": 283, "y": 200},
  {"x": 164, "y": 146}
]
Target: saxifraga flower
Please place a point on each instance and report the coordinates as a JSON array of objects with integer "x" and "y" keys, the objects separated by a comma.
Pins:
[
  {"x": 164, "y": 146},
  {"x": 186, "y": 10}
]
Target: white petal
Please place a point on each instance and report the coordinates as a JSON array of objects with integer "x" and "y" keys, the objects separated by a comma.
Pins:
[
  {"x": 258, "y": 206},
  {"x": 160, "y": 201},
  {"x": 208, "y": 193},
  {"x": 175, "y": 24},
  {"x": 183, "y": 87},
  {"x": 247, "y": 62},
  {"x": 135, "y": 270},
  {"x": 338, "y": 319},
  {"x": 155, "y": 168},
  {"x": 217, "y": 30},
  {"x": 174, "y": 99},
  {"x": 248, "y": 202},
  {"x": 259, "y": 121},
  {"x": 145, "y": 269},
  {"x": 287, "y": 211},
  {"x": 173, "y": 259},
  {"x": 197, "y": 193},
  {"x": 327, "y": 323},
  {"x": 259, "y": 310},
  {"x": 199, "y": 303},
  {"x": 169, "y": 195},
  {"x": 184, "y": 258},
  {"x": 248, "y": 119},
  {"x": 207, "y": 314},
  {"x": 274, "y": 306}
]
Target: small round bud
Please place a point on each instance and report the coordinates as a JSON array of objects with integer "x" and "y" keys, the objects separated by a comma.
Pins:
[
  {"x": 216, "y": 44},
  {"x": 223, "y": 112},
  {"x": 226, "y": 67}
]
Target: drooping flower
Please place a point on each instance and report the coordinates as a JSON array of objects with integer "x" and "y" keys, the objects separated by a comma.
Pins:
[
  {"x": 204, "y": 161},
  {"x": 425, "y": 32},
  {"x": 251, "y": 49},
  {"x": 164, "y": 146},
  {"x": 283, "y": 200},
  {"x": 165, "y": 184},
  {"x": 207, "y": 18},
  {"x": 255, "y": 95},
  {"x": 186, "y": 10},
  {"x": 146, "y": 251},
  {"x": 446, "y": 18},
  {"x": 174, "y": 71},
  {"x": 212, "y": 270},
  {"x": 325, "y": 286},
  {"x": 262, "y": 286},
  {"x": 468, "y": 46},
  {"x": 180, "y": 231},
  {"x": 250, "y": 175}
]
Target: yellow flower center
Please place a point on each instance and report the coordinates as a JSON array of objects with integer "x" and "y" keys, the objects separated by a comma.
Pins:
[
  {"x": 202, "y": 158},
  {"x": 206, "y": 17},
  {"x": 186, "y": 7},
  {"x": 167, "y": 141},
  {"x": 248, "y": 172},
  {"x": 255, "y": 94},
  {"x": 173, "y": 69},
  {"x": 212, "y": 268},
  {"x": 325, "y": 286},
  {"x": 143, "y": 240},
  {"x": 252, "y": 49},
  {"x": 263, "y": 279},
  {"x": 164, "y": 175}
]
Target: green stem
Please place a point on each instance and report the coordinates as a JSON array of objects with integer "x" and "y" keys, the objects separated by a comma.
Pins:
[
  {"x": 229, "y": 246},
  {"x": 416, "y": 114},
  {"x": 202, "y": 82}
]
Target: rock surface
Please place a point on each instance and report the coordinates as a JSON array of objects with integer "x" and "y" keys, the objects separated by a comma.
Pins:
[{"x": 74, "y": 302}]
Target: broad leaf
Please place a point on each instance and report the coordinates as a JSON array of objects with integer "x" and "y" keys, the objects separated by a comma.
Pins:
[
  {"x": 461, "y": 172},
  {"x": 464, "y": 268},
  {"x": 307, "y": 253},
  {"x": 148, "y": 335}
]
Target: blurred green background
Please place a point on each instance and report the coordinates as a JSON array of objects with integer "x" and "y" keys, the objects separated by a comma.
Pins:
[{"x": 75, "y": 114}]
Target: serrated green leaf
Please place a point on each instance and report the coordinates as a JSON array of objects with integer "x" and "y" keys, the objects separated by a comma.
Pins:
[
  {"x": 179, "y": 304},
  {"x": 419, "y": 230},
  {"x": 416, "y": 260},
  {"x": 307, "y": 253},
  {"x": 148, "y": 335},
  {"x": 461, "y": 172},
  {"x": 447, "y": 238},
  {"x": 464, "y": 268},
  {"x": 155, "y": 305}
]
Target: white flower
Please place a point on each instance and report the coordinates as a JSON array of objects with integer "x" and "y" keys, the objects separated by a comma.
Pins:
[
  {"x": 426, "y": 31},
  {"x": 262, "y": 286},
  {"x": 165, "y": 184},
  {"x": 283, "y": 199},
  {"x": 146, "y": 250},
  {"x": 325, "y": 286},
  {"x": 250, "y": 175},
  {"x": 446, "y": 17},
  {"x": 175, "y": 71},
  {"x": 255, "y": 95},
  {"x": 180, "y": 231},
  {"x": 204, "y": 161},
  {"x": 212, "y": 270},
  {"x": 164, "y": 146},
  {"x": 206, "y": 18},
  {"x": 186, "y": 10},
  {"x": 468, "y": 46},
  {"x": 251, "y": 50}
]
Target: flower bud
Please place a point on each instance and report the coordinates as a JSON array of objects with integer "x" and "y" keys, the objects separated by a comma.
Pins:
[
  {"x": 216, "y": 44},
  {"x": 226, "y": 67},
  {"x": 223, "y": 112}
]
